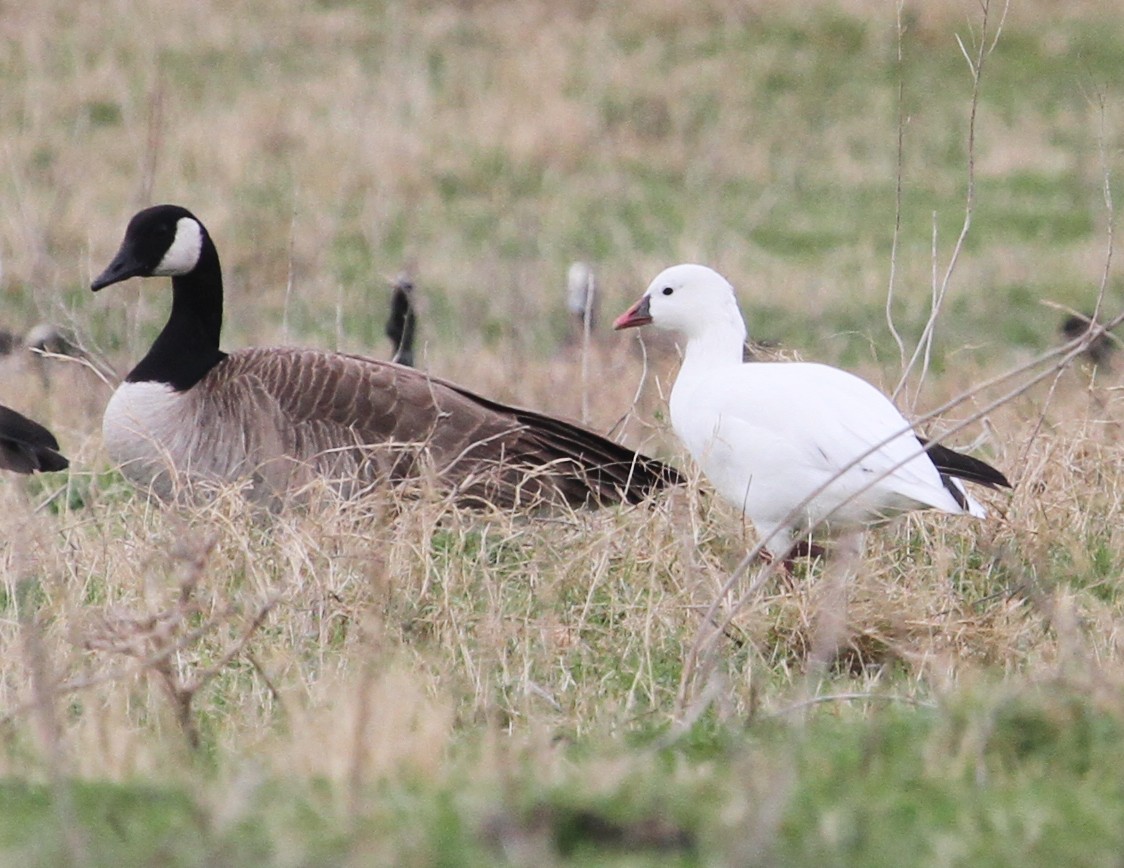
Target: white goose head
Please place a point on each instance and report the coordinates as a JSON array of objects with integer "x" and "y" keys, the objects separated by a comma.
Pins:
[
  {"x": 164, "y": 240},
  {"x": 692, "y": 300}
]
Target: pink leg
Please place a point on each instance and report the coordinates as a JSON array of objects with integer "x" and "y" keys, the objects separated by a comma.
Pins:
[{"x": 802, "y": 549}]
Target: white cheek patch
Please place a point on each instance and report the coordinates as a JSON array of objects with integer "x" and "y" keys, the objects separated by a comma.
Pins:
[{"x": 183, "y": 255}]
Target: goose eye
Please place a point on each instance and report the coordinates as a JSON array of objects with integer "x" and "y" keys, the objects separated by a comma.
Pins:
[{"x": 667, "y": 290}]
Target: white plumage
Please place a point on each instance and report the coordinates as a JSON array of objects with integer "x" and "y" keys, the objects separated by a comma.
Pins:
[{"x": 769, "y": 435}]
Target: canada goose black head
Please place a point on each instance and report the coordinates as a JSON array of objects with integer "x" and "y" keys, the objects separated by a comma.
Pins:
[
  {"x": 164, "y": 240},
  {"x": 170, "y": 241}
]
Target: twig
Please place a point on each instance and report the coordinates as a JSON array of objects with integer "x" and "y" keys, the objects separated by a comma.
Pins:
[
  {"x": 258, "y": 668},
  {"x": 289, "y": 272},
  {"x": 896, "y": 237},
  {"x": 587, "y": 328},
  {"x": 623, "y": 420},
  {"x": 154, "y": 139},
  {"x": 43, "y": 703},
  {"x": 100, "y": 367},
  {"x": 151, "y": 662},
  {"x": 1095, "y": 330},
  {"x": 849, "y": 697},
  {"x": 201, "y": 679},
  {"x": 940, "y": 289}
]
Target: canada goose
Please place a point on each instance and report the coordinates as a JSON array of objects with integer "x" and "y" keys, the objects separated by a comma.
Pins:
[
  {"x": 581, "y": 301},
  {"x": 769, "y": 435},
  {"x": 1100, "y": 350},
  {"x": 26, "y": 446},
  {"x": 46, "y": 337},
  {"x": 402, "y": 322},
  {"x": 281, "y": 417},
  {"x": 8, "y": 342}
]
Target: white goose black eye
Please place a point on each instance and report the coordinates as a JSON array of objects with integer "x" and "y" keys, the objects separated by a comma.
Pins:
[{"x": 667, "y": 290}]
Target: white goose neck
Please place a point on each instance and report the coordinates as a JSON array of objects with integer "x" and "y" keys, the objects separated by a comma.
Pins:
[{"x": 720, "y": 344}]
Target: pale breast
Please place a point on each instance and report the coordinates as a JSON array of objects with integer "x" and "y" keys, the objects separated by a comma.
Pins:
[{"x": 160, "y": 440}]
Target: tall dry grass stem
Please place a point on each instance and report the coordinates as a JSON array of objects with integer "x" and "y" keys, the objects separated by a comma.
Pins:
[{"x": 985, "y": 45}]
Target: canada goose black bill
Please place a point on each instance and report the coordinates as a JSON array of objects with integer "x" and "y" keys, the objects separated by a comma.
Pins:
[
  {"x": 283, "y": 417},
  {"x": 26, "y": 446}
]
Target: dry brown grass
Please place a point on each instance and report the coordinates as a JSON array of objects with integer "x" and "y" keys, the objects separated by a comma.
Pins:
[
  {"x": 381, "y": 631},
  {"x": 367, "y": 643}
]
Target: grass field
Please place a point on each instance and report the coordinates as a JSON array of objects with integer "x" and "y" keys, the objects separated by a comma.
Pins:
[{"x": 399, "y": 682}]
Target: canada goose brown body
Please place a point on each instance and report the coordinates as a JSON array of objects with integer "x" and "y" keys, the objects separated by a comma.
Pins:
[
  {"x": 26, "y": 446},
  {"x": 283, "y": 417}
]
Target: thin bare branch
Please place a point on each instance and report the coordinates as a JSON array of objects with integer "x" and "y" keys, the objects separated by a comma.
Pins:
[
  {"x": 899, "y": 172},
  {"x": 940, "y": 289},
  {"x": 849, "y": 697}
]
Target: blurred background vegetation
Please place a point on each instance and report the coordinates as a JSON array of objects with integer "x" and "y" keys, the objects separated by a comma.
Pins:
[
  {"x": 433, "y": 689},
  {"x": 487, "y": 145}
]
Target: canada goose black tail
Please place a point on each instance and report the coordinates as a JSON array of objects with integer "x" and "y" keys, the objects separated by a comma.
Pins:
[
  {"x": 603, "y": 471},
  {"x": 584, "y": 467},
  {"x": 960, "y": 466},
  {"x": 26, "y": 446}
]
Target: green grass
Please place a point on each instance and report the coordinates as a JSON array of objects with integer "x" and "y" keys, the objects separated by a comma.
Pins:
[
  {"x": 997, "y": 777},
  {"x": 979, "y": 790}
]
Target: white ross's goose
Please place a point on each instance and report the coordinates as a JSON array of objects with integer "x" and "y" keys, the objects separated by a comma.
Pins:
[{"x": 769, "y": 435}]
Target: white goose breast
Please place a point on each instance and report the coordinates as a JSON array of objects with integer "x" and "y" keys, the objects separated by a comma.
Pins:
[{"x": 150, "y": 429}]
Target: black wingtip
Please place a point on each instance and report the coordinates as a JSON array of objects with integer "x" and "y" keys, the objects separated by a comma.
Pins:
[
  {"x": 602, "y": 470},
  {"x": 960, "y": 466},
  {"x": 646, "y": 476},
  {"x": 51, "y": 461}
]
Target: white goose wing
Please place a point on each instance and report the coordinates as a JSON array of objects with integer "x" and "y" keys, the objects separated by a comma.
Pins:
[{"x": 768, "y": 435}]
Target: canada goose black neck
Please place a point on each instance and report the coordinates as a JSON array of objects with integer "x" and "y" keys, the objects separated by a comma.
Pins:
[
  {"x": 170, "y": 240},
  {"x": 188, "y": 346},
  {"x": 402, "y": 322}
]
